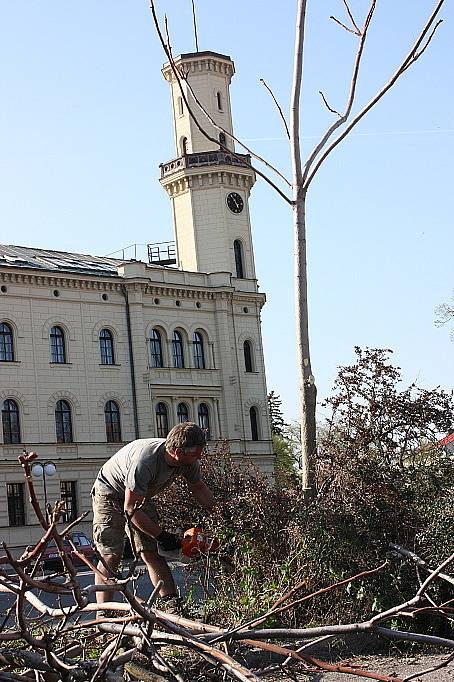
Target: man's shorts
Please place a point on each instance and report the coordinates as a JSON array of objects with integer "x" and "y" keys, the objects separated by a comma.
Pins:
[{"x": 109, "y": 525}]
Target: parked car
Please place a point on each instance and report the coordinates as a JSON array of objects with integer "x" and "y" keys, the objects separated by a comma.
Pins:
[{"x": 82, "y": 543}]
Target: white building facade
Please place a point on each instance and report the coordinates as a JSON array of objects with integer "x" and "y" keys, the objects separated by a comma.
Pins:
[{"x": 95, "y": 352}]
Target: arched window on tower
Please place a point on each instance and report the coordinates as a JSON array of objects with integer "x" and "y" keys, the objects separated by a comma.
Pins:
[
  {"x": 155, "y": 349},
  {"x": 199, "y": 355},
  {"x": 63, "y": 422},
  {"x": 6, "y": 343},
  {"x": 204, "y": 419},
  {"x": 10, "y": 422},
  {"x": 247, "y": 350},
  {"x": 112, "y": 418},
  {"x": 182, "y": 413},
  {"x": 253, "y": 416},
  {"x": 177, "y": 350},
  {"x": 184, "y": 145},
  {"x": 162, "y": 421},
  {"x": 222, "y": 140},
  {"x": 219, "y": 100},
  {"x": 238, "y": 250}
]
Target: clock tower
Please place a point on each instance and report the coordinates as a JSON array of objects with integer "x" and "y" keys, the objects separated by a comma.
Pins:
[{"x": 208, "y": 183}]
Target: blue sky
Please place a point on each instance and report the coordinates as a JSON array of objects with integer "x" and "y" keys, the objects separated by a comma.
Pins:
[{"x": 85, "y": 121}]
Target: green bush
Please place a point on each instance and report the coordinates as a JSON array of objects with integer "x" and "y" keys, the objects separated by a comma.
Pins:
[{"x": 380, "y": 479}]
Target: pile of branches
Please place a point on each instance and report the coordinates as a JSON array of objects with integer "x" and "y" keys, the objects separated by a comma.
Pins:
[{"x": 52, "y": 642}]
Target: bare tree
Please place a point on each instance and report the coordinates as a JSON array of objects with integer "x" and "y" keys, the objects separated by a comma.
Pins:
[
  {"x": 445, "y": 313},
  {"x": 303, "y": 173}
]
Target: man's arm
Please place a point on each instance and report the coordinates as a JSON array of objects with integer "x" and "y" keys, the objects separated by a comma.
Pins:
[
  {"x": 139, "y": 518},
  {"x": 202, "y": 494}
]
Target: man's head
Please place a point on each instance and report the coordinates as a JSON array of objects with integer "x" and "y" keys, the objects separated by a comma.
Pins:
[{"x": 185, "y": 443}]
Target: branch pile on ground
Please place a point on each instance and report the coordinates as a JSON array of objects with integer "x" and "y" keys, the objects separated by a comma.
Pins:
[{"x": 51, "y": 630}]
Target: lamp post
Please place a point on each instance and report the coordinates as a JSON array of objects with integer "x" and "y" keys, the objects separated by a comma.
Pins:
[{"x": 44, "y": 469}]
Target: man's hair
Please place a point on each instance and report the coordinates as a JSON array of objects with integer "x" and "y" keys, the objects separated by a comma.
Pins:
[{"x": 186, "y": 435}]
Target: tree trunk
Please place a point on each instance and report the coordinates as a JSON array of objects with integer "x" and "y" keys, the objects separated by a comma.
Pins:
[{"x": 306, "y": 384}]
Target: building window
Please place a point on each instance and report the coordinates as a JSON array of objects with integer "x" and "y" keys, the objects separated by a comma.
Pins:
[
  {"x": 68, "y": 495},
  {"x": 180, "y": 106},
  {"x": 222, "y": 141},
  {"x": 238, "y": 250},
  {"x": 155, "y": 349},
  {"x": 10, "y": 422},
  {"x": 199, "y": 355},
  {"x": 162, "y": 420},
  {"x": 57, "y": 345},
  {"x": 247, "y": 349},
  {"x": 204, "y": 419},
  {"x": 219, "y": 100},
  {"x": 63, "y": 422},
  {"x": 254, "y": 423},
  {"x": 184, "y": 145},
  {"x": 16, "y": 504},
  {"x": 182, "y": 413},
  {"x": 6, "y": 343},
  {"x": 177, "y": 350},
  {"x": 113, "y": 426},
  {"x": 106, "y": 347}
]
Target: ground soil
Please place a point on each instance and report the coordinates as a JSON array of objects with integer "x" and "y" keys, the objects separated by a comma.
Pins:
[
  {"x": 371, "y": 655},
  {"x": 400, "y": 667}
]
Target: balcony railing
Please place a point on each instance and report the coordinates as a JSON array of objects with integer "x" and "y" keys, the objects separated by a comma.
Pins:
[
  {"x": 214, "y": 158},
  {"x": 162, "y": 253}
]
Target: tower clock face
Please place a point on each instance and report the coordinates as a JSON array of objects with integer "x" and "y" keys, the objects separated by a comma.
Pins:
[{"x": 235, "y": 202}]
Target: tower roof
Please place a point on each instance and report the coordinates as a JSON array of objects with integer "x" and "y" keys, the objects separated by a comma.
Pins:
[{"x": 202, "y": 61}]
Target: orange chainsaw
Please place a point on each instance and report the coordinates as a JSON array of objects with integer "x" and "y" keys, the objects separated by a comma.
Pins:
[{"x": 195, "y": 544}]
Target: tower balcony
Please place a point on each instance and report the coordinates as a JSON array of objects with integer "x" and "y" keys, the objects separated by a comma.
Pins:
[{"x": 196, "y": 160}]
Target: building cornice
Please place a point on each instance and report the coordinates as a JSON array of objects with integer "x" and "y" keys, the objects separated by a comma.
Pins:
[
  {"x": 185, "y": 179},
  {"x": 195, "y": 63},
  {"x": 142, "y": 285},
  {"x": 65, "y": 282}
]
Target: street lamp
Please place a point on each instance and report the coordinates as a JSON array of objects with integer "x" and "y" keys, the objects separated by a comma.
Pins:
[{"x": 44, "y": 469}]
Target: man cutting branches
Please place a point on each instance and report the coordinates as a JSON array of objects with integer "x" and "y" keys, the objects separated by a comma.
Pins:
[{"x": 125, "y": 488}]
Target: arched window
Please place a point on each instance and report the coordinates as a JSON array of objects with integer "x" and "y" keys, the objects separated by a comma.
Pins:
[
  {"x": 162, "y": 421},
  {"x": 182, "y": 413},
  {"x": 57, "y": 345},
  {"x": 222, "y": 139},
  {"x": 63, "y": 422},
  {"x": 238, "y": 249},
  {"x": 6, "y": 343},
  {"x": 184, "y": 145},
  {"x": 106, "y": 347},
  {"x": 247, "y": 349},
  {"x": 219, "y": 100},
  {"x": 155, "y": 349},
  {"x": 113, "y": 426},
  {"x": 177, "y": 350},
  {"x": 204, "y": 419},
  {"x": 180, "y": 106},
  {"x": 199, "y": 355},
  {"x": 253, "y": 416},
  {"x": 10, "y": 422}
]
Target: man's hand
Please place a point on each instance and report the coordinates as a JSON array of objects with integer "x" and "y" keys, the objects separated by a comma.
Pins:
[{"x": 168, "y": 541}]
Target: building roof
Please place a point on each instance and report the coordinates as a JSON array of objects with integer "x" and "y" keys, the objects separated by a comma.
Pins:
[{"x": 57, "y": 261}]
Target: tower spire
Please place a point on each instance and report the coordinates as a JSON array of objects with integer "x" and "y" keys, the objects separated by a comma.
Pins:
[{"x": 195, "y": 27}]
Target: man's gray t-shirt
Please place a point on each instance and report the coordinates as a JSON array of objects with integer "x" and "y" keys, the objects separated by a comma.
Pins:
[{"x": 141, "y": 467}]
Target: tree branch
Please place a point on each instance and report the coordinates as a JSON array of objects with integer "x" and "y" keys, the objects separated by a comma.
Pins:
[
  {"x": 279, "y": 108},
  {"x": 351, "y": 97},
  {"x": 410, "y": 59}
]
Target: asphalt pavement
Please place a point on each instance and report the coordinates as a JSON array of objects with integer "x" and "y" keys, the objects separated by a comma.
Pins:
[{"x": 185, "y": 580}]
